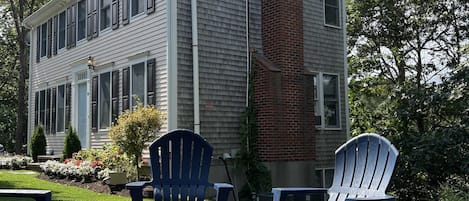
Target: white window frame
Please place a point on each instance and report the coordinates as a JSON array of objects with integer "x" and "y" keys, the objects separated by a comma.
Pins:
[
  {"x": 339, "y": 7},
  {"x": 40, "y": 39},
  {"x": 110, "y": 17},
  {"x": 57, "y": 108},
  {"x": 131, "y": 64},
  {"x": 106, "y": 70},
  {"x": 58, "y": 32},
  {"x": 320, "y": 101},
  {"x": 138, "y": 15},
  {"x": 79, "y": 41}
]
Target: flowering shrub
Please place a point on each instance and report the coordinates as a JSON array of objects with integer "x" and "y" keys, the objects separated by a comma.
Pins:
[
  {"x": 14, "y": 162},
  {"x": 72, "y": 169}
]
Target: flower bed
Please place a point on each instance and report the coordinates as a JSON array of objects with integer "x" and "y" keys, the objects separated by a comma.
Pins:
[
  {"x": 72, "y": 169},
  {"x": 15, "y": 162},
  {"x": 90, "y": 165}
]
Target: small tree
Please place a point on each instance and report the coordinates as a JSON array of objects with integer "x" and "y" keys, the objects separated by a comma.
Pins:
[
  {"x": 72, "y": 143},
  {"x": 38, "y": 142},
  {"x": 135, "y": 128}
]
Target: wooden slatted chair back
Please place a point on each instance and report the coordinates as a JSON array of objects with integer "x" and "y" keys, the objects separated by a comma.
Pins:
[
  {"x": 180, "y": 163},
  {"x": 363, "y": 167}
]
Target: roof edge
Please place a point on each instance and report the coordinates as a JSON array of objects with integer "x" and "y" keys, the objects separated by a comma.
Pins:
[{"x": 44, "y": 12}]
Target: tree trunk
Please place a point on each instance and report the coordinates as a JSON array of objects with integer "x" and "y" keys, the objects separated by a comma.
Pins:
[{"x": 21, "y": 101}]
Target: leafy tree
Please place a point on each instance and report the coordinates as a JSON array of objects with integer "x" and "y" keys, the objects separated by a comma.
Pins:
[
  {"x": 135, "y": 128},
  {"x": 409, "y": 79},
  {"x": 398, "y": 49},
  {"x": 13, "y": 14}
]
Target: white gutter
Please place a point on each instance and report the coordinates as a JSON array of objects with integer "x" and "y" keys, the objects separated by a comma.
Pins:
[
  {"x": 248, "y": 58},
  {"x": 195, "y": 63},
  {"x": 347, "y": 107},
  {"x": 172, "y": 64}
]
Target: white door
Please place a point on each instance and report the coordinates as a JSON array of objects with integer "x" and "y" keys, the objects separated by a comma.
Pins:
[{"x": 82, "y": 113}]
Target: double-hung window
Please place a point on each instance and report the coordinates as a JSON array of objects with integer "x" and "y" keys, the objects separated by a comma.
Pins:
[
  {"x": 105, "y": 14},
  {"x": 138, "y": 80},
  {"x": 60, "y": 108},
  {"x": 44, "y": 40},
  {"x": 104, "y": 100},
  {"x": 81, "y": 16},
  {"x": 136, "y": 7},
  {"x": 62, "y": 27},
  {"x": 326, "y": 100},
  {"x": 332, "y": 12}
]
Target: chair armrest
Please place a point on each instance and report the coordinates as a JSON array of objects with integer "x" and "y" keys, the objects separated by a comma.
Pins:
[
  {"x": 223, "y": 189},
  {"x": 373, "y": 198},
  {"x": 136, "y": 188},
  {"x": 279, "y": 194}
]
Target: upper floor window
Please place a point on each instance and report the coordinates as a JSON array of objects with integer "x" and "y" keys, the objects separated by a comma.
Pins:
[
  {"x": 81, "y": 15},
  {"x": 44, "y": 40},
  {"x": 105, "y": 14},
  {"x": 326, "y": 96},
  {"x": 332, "y": 12},
  {"x": 62, "y": 25},
  {"x": 136, "y": 7}
]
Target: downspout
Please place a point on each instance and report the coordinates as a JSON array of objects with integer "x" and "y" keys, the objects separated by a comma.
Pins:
[
  {"x": 248, "y": 54},
  {"x": 172, "y": 65},
  {"x": 347, "y": 107},
  {"x": 195, "y": 63}
]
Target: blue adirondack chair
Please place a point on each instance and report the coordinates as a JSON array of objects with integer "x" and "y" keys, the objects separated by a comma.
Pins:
[
  {"x": 180, "y": 163},
  {"x": 363, "y": 168}
]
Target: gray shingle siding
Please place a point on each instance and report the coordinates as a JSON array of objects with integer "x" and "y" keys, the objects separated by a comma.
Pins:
[
  {"x": 222, "y": 62},
  {"x": 324, "y": 52}
]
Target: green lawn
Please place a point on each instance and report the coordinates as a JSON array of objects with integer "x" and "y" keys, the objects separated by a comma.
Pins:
[{"x": 28, "y": 180}]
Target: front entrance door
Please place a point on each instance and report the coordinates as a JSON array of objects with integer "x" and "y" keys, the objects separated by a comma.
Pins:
[{"x": 82, "y": 113}]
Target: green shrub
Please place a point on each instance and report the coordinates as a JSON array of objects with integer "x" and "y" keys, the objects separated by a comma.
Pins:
[
  {"x": 135, "y": 128},
  {"x": 72, "y": 142},
  {"x": 427, "y": 160},
  {"x": 38, "y": 142}
]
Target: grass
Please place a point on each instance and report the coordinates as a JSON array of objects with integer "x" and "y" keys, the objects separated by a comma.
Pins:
[{"x": 28, "y": 180}]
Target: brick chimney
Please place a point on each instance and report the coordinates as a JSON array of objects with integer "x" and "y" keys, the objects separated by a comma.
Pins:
[{"x": 283, "y": 92}]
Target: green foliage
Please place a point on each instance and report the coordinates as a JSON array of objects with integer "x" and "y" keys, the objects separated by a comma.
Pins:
[
  {"x": 135, "y": 128},
  {"x": 429, "y": 159},
  {"x": 259, "y": 178},
  {"x": 38, "y": 142},
  {"x": 409, "y": 79},
  {"x": 72, "y": 142},
  {"x": 455, "y": 189},
  {"x": 112, "y": 158}
]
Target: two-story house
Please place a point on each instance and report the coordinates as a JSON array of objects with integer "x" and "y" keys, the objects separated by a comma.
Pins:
[{"x": 89, "y": 59}]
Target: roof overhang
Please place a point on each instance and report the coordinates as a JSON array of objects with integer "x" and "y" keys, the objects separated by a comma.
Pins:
[{"x": 41, "y": 15}]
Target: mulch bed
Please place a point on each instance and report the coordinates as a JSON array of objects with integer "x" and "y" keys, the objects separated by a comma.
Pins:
[{"x": 96, "y": 186}]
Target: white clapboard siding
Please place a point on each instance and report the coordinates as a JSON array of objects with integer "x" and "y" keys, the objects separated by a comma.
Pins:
[{"x": 146, "y": 33}]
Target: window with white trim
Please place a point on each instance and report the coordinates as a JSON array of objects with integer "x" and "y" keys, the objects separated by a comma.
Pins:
[
  {"x": 44, "y": 40},
  {"x": 136, "y": 7},
  {"x": 62, "y": 28},
  {"x": 104, "y": 100},
  {"x": 105, "y": 14},
  {"x": 332, "y": 12},
  {"x": 326, "y": 100},
  {"x": 81, "y": 16},
  {"x": 325, "y": 177},
  {"x": 138, "y": 83},
  {"x": 60, "y": 108}
]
